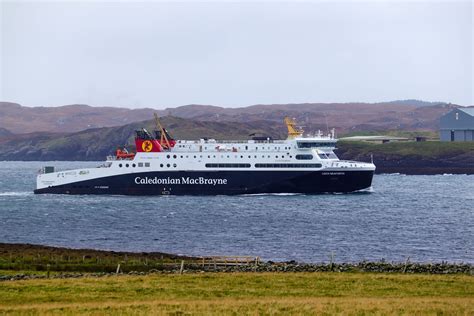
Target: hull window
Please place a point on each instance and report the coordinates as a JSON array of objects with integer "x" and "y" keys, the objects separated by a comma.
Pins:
[
  {"x": 304, "y": 157},
  {"x": 227, "y": 165},
  {"x": 288, "y": 165}
]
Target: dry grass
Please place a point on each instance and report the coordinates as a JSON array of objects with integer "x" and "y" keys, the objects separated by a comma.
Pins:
[{"x": 244, "y": 293}]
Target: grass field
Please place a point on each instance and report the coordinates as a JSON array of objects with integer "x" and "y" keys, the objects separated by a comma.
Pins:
[{"x": 243, "y": 293}]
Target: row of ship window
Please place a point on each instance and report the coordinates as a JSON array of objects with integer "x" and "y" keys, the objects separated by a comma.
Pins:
[
  {"x": 298, "y": 144},
  {"x": 264, "y": 165},
  {"x": 140, "y": 164},
  {"x": 246, "y": 147},
  {"x": 298, "y": 157},
  {"x": 238, "y": 165}
]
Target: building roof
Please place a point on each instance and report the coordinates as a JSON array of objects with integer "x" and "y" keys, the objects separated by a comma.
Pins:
[{"x": 468, "y": 110}]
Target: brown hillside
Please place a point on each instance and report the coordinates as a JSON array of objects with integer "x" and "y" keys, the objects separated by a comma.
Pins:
[{"x": 345, "y": 117}]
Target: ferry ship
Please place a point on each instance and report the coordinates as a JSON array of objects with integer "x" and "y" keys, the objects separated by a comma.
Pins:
[{"x": 164, "y": 166}]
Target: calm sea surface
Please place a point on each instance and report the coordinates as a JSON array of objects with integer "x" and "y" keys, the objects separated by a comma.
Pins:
[{"x": 426, "y": 218}]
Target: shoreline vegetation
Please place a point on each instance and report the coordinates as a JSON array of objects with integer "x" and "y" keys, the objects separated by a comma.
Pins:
[
  {"x": 413, "y": 158},
  {"x": 24, "y": 261},
  {"x": 287, "y": 288}
]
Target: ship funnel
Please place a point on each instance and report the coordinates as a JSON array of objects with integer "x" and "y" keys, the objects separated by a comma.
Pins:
[{"x": 293, "y": 131}]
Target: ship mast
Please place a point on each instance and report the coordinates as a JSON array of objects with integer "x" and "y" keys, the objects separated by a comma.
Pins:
[
  {"x": 293, "y": 131},
  {"x": 163, "y": 139}
]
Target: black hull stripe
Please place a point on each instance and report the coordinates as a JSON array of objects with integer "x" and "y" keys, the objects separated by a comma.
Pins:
[{"x": 220, "y": 183}]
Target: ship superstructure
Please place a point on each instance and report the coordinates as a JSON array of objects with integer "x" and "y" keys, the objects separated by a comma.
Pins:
[{"x": 163, "y": 166}]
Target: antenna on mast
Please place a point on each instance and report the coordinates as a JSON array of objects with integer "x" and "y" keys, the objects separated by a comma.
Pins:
[{"x": 326, "y": 119}]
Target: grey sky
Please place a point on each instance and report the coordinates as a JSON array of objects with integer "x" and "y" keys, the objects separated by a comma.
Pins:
[{"x": 160, "y": 54}]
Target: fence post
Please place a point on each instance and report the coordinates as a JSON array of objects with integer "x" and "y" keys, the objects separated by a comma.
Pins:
[
  {"x": 406, "y": 264},
  {"x": 182, "y": 267},
  {"x": 331, "y": 265}
]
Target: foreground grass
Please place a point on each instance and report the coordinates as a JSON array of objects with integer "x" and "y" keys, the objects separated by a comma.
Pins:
[{"x": 238, "y": 293}]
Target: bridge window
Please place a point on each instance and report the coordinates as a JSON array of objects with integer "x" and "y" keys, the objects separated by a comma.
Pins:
[
  {"x": 327, "y": 156},
  {"x": 315, "y": 144}
]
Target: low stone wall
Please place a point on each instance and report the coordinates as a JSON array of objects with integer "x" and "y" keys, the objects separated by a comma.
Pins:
[{"x": 283, "y": 267}]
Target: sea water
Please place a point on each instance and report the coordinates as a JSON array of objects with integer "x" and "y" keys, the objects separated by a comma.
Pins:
[{"x": 424, "y": 218}]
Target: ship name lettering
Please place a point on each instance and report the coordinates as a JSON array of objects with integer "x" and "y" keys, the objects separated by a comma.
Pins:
[{"x": 183, "y": 180}]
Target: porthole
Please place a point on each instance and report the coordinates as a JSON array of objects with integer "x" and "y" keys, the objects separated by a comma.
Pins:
[
  {"x": 174, "y": 165},
  {"x": 120, "y": 165},
  {"x": 174, "y": 156},
  {"x": 168, "y": 156},
  {"x": 181, "y": 156},
  {"x": 194, "y": 156},
  {"x": 134, "y": 165},
  {"x": 161, "y": 165},
  {"x": 127, "y": 165},
  {"x": 168, "y": 165}
]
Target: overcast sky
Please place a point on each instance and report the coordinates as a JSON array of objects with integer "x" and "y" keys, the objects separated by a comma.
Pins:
[{"x": 164, "y": 54}]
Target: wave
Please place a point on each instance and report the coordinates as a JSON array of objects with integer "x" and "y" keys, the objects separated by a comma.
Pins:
[
  {"x": 272, "y": 194},
  {"x": 15, "y": 193},
  {"x": 367, "y": 190},
  {"x": 393, "y": 174}
]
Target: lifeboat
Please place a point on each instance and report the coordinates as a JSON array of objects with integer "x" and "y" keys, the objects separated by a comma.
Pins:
[{"x": 121, "y": 154}]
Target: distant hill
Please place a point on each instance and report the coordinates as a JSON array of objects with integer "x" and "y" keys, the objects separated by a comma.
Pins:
[
  {"x": 96, "y": 144},
  {"x": 5, "y": 132},
  {"x": 417, "y": 103},
  {"x": 68, "y": 118},
  {"x": 345, "y": 117}
]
